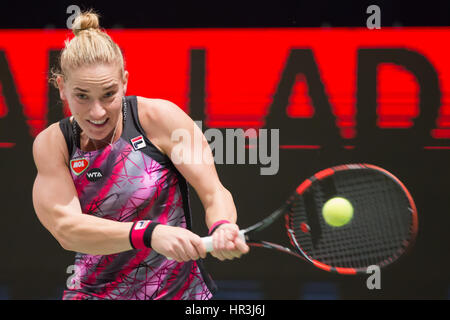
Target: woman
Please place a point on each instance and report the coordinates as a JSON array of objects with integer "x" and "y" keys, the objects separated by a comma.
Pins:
[{"x": 107, "y": 186}]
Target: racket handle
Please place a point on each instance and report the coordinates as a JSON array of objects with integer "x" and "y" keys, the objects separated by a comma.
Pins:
[{"x": 208, "y": 241}]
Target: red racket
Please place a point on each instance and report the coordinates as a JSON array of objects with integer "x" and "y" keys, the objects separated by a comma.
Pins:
[{"x": 383, "y": 227}]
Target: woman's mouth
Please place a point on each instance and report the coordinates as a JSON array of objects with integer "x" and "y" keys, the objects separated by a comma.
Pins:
[{"x": 98, "y": 123}]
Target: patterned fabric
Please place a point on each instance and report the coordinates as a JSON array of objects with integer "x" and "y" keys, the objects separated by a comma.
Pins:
[{"x": 123, "y": 184}]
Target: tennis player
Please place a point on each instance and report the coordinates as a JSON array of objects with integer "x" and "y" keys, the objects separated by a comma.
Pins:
[{"x": 108, "y": 189}]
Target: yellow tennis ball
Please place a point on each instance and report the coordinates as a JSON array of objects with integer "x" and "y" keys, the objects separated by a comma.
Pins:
[{"x": 337, "y": 211}]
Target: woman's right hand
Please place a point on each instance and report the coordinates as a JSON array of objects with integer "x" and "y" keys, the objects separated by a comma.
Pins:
[{"x": 177, "y": 243}]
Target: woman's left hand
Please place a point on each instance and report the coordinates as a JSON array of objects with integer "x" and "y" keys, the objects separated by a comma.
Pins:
[{"x": 227, "y": 244}]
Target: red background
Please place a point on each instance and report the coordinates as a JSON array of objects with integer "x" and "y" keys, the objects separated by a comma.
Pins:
[{"x": 243, "y": 68}]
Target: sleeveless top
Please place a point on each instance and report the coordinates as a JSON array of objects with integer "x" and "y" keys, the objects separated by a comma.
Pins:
[{"x": 127, "y": 181}]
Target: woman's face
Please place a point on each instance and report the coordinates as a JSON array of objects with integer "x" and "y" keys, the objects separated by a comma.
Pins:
[{"x": 94, "y": 95}]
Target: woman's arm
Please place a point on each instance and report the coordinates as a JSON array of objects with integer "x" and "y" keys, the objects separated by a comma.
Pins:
[
  {"x": 176, "y": 134},
  {"x": 58, "y": 208}
]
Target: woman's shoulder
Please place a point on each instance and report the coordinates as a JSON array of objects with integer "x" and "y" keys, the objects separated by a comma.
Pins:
[
  {"x": 153, "y": 107},
  {"x": 50, "y": 141},
  {"x": 158, "y": 112},
  {"x": 52, "y": 133},
  {"x": 159, "y": 118}
]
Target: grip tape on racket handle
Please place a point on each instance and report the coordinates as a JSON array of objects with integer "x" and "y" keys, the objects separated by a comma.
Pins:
[{"x": 208, "y": 241}]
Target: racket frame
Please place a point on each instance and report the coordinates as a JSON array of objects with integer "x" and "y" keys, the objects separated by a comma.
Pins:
[{"x": 245, "y": 234}]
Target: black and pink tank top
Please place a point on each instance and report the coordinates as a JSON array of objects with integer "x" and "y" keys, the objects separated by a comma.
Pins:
[{"x": 127, "y": 181}]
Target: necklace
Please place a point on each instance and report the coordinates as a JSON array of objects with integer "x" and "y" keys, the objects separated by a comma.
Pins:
[
  {"x": 114, "y": 133},
  {"x": 124, "y": 105}
]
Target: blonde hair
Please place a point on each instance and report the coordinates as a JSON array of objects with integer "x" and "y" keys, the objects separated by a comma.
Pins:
[{"x": 91, "y": 45}]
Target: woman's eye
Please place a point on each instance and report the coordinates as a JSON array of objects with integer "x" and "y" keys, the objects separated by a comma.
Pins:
[
  {"x": 81, "y": 96},
  {"x": 109, "y": 94}
]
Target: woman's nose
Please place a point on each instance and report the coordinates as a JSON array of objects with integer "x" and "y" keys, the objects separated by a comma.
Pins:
[{"x": 97, "y": 112}]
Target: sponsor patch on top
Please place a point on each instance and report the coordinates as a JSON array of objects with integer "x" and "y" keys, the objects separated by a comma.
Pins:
[
  {"x": 94, "y": 174},
  {"x": 138, "y": 143},
  {"x": 79, "y": 165}
]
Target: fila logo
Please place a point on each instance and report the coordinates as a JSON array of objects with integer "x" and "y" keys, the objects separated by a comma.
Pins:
[
  {"x": 79, "y": 165},
  {"x": 94, "y": 174},
  {"x": 138, "y": 143},
  {"x": 141, "y": 224}
]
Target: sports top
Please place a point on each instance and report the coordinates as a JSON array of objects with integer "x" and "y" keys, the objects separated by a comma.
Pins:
[{"x": 127, "y": 181}]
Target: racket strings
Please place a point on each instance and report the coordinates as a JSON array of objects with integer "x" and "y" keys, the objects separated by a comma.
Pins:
[{"x": 378, "y": 232}]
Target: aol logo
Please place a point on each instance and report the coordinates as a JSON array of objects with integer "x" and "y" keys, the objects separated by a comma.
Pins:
[{"x": 78, "y": 164}]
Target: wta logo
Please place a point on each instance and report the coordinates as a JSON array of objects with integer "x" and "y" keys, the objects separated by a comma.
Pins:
[
  {"x": 138, "y": 143},
  {"x": 94, "y": 175},
  {"x": 79, "y": 165}
]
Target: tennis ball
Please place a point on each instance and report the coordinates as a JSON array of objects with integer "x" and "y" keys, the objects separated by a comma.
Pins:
[{"x": 337, "y": 211}]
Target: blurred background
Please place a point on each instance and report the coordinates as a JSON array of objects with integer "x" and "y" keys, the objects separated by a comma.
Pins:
[{"x": 339, "y": 89}]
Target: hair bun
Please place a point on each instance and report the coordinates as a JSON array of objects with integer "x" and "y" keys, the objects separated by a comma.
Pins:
[{"x": 84, "y": 21}]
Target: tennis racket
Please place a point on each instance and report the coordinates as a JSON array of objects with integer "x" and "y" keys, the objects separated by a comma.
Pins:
[{"x": 383, "y": 226}]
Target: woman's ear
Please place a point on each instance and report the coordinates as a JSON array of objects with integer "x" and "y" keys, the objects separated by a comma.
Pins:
[
  {"x": 125, "y": 81},
  {"x": 60, "y": 82}
]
